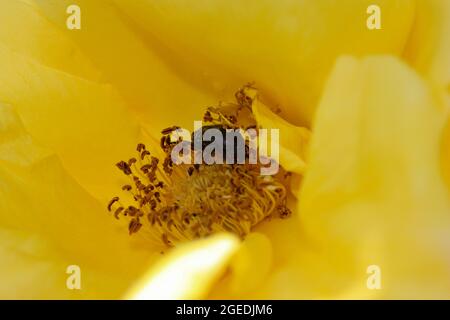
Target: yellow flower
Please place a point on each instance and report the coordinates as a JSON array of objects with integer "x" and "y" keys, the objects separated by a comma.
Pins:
[{"x": 364, "y": 128}]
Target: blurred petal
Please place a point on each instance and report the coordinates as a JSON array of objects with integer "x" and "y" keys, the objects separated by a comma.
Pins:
[
  {"x": 286, "y": 47},
  {"x": 256, "y": 250},
  {"x": 31, "y": 269},
  {"x": 85, "y": 122},
  {"x": 428, "y": 48},
  {"x": 248, "y": 268},
  {"x": 49, "y": 222},
  {"x": 374, "y": 193},
  {"x": 145, "y": 81},
  {"x": 17, "y": 147},
  {"x": 35, "y": 37},
  {"x": 188, "y": 271}
]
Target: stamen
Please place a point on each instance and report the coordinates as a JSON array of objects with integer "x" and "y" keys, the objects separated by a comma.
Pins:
[
  {"x": 175, "y": 203},
  {"x": 113, "y": 200}
]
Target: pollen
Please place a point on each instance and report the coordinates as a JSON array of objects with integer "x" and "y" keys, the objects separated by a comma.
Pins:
[{"x": 173, "y": 203}]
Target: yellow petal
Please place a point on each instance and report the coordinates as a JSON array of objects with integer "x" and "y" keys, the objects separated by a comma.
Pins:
[
  {"x": 189, "y": 271},
  {"x": 293, "y": 139},
  {"x": 86, "y": 123},
  {"x": 428, "y": 47},
  {"x": 445, "y": 153},
  {"x": 247, "y": 269},
  {"x": 374, "y": 193},
  {"x": 287, "y": 47},
  {"x": 16, "y": 146},
  {"x": 25, "y": 31},
  {"x": 49, "y": 222},
  {"x": 32, "y": 269},
  {"x": 140, "y": 75}
]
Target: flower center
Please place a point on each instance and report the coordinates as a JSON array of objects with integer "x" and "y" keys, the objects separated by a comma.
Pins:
[{"x": 179, "y": 202}]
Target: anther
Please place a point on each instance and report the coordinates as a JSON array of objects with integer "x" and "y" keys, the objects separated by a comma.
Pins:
[
  {"x": 113, "y": 200},
  {"x": 140, "y": 147},
  {"x": 117, "y": 212}
]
